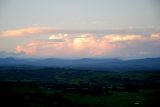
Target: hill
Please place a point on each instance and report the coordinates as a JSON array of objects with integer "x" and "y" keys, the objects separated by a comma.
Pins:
[{"x": 147, "y": 64}]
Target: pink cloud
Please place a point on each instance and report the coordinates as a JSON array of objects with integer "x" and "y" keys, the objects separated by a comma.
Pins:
[
  {"x": 121, "y": 38},
  {"x": 155, "y": 36},
  {"x": 26, "y": 31},
  {"x": 84, "y": 45}
]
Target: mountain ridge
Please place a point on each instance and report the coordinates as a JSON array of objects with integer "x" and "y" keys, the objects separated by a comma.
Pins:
[{"x": 111, "y": 64}]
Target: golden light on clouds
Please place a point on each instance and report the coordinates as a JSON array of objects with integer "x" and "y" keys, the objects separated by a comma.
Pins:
[
  {"x": 81, "y": 45},
  {"x": 50, "y": 43},
  {"x": 26, "y": 31},
  {"x": 119, "y": 38},
  {"x": 59, "y": 36}
]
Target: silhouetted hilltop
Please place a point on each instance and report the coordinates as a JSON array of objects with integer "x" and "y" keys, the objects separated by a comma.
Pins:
[{"x": 146, "y": 64}]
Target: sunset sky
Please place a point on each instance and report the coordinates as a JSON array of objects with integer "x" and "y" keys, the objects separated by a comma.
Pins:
[{"x": 80, "y": 28}]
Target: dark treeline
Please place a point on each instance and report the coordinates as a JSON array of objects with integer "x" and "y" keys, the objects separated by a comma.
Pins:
[
  {"x": 50, "y": 94},
  {"x": 82, "y": 87},
  {"x": 62, "y": 87}
]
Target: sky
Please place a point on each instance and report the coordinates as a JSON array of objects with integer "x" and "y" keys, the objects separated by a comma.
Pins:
[{"x": 80, "y": 28}]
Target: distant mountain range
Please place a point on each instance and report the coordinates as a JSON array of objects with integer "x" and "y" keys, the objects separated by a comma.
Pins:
[{"x": 146, "y": 64}]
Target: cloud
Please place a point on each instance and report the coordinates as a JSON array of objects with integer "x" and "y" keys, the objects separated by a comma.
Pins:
[
  {"x": 80, "y": 43},
  {"x": 85, "y": 45},
  {"x": 26, "y": 31},
  {"x": 58, "y": 37},
  {"x": 90, "y": 45},
  {"x": 121, "y": 38},
  {"x": 155, "y": 36}
]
